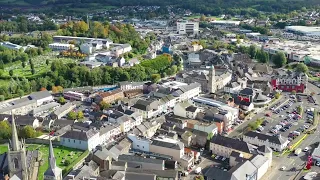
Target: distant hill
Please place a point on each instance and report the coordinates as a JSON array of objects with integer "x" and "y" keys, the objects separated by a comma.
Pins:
[{"x": 201, "y": 6}]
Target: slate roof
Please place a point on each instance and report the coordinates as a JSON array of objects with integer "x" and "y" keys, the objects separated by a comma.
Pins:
[
  {"x": 177, "y": 146},
  {"x": 264, "y": 149},
  {"x": 231, "y": 143},
  {"x": 273, "y": 139},
  {"x": 217, "y": 174},
  {"x": 40, "y": 95},
  {"x": 247, "y": 91},
  {"x": 139, "y": 176},
  {"x": 159, "y": 173},
  {"x": 80, "y": 135},
  {"x": 133, "y": 158}
]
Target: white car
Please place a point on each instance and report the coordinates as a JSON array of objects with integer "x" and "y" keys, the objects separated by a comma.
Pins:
[
  {"x": 306, "y": 149},
  {"x": 223, "y": 159},
  {"x": 318, "y": 163},
  {"x": 283, "y": 168},
  {"x": 217, "y": 157}
]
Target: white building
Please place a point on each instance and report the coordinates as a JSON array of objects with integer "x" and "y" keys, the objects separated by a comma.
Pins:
[
  {"x": 126, "y": 85},
  {"x": 108, "y": 132},
  {"x": 262, "y": 164},
  {"x": 84, "y": 140},
  {"x": 259, "y": 139},
  {"x": 120, "y": 49},
  {"x": 61, "y": 46},
  {"x": 10, "y": 45},
  {"x": 186, "y": 27}
]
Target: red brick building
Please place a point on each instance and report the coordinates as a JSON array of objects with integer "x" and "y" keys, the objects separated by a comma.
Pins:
[{"x": 288, "y": 81}]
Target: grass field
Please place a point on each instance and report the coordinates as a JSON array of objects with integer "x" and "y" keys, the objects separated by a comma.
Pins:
[{"x": 61, "y": 154}]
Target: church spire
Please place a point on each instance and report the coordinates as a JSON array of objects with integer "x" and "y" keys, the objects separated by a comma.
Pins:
[
  {"x": 14, "y": 139},
  {"x": 52, "y": 159}
]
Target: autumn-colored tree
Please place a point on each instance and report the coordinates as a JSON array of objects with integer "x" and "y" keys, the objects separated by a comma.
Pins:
[
  {"x": 54, "y": 89},
  {"x": 60, "y": 89},
  {"x": 43, "y": 89},
  {"x": 80, "y": 27}
]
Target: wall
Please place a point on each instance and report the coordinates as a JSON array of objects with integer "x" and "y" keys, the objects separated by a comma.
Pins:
[
  {"x": 166, "y": 151},
  {"x": 225, "y": 152}
]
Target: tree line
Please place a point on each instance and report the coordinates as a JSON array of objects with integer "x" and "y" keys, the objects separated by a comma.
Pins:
[{"x": 25, "y": 132}]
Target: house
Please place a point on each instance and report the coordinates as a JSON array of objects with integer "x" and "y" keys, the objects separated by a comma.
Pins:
[
  {"x": 61, "y": 46},
  {"x": 22, "y": 120},
  {"x": 177, "y": 121},
  {"x": 110, "y": 96},
  {"x": 108, "y": 132},
  {"x": 186, "y": 109},
  {"x": 149, "y": 128},
  {"x": 207, "y": 127},
  {"x": 102, "y": 158},
  {"x": 148, "y": 108},
  {"x": 224, "y": 146},
  {"x": 125, "y": 85},
  {"x": 274, "y": 142},
  {"x": 187, "y": 92},
  {"x": 255, "y": 96},
  {"x": 194, "y": 60},
  {"x": 120, "y": 49},
  {"x": 142, "y": 162},
  {"x": 316, "y": 154},
  {"x": 63, "y": 110},
  {"x": 79, "y": 139}
]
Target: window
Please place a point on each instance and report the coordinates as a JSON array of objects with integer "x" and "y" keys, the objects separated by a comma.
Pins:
[
  {"x": 15, "y": 163},
  {"x": 69, "y": 140},
  {"x": 74, "y": 141},
  {"x": 79, "y": 142},
  {"x": 138, "y": 146}
]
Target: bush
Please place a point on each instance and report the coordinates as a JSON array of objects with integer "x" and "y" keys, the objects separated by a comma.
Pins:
[
  {"x": 277, "y": 96},
  {"x": 254, "y": 125}
]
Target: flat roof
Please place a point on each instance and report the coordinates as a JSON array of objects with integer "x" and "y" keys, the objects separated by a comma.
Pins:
[{"x": 305, "y": 29}]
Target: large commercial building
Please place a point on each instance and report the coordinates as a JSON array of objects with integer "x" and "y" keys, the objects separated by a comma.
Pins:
[
  {"x": 304, "y": 30},
  {"x": 186, "y": 27}
]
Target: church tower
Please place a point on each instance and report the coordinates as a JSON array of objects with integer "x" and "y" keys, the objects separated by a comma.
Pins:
[
  {"x": 212, "y": 87},
  {"x": 53, "y": 172},
  {"x": 17, "y": 163}
]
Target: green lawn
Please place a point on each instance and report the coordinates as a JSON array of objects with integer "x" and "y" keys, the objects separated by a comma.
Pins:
[{"x": 61, "y": 153}]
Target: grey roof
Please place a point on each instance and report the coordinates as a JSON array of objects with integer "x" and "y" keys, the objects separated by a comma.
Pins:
[
  {"x": 61, "y": 109},
  {"x": 144, "y": 105},
  {"x": 45, "y": 107},
  {"x": 241, "y": 170},
  {"x": 102, "y": 154},
  {"x": 133, "y": 158},
  {"x": 273, "y": 139},
  {"x": 80, "y": 135},
  {"x": 139, "y": 176},
  {"x": 62, "y": 123},
  {"x": 119, "y": 163},
  {"x": 217, "y": 174},
  {"x": 17, "y": 104},
  {"x": 106, "y": 128},
  {"x": 159, "y": 173},
  {"x": 231, "y": 143},
  {"x": 177, "y": 146},
  {"x": 40, "y": 95}
]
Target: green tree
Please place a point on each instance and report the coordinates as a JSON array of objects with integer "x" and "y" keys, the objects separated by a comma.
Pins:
[
  {"x": 5, "y": 132},
  {"x": 103, "y": 105},
  {"x": 67, "y": 162},
  {"x": 47, "y": 62},
  {"x": 28, "y": 132},
  {"x": 23, "y": 64},
  {"x": 2, "y": 98},
  {"x": 155, "y": 78},
  {"x": 277, "y": 95},
  {"x": 293, "y": 92},
  {"x": 202, "y": 18},
  {"x": 33, "y": 71},
  {"x": 20, "y": 92},
  {"x": 11, "y": 72},
  {"x": 61, "y": 100},
  {"x": 279, "y": 59},
  {"x": 1, "y": 64},
  {"x": 80, "y": 115},
  {"x": 210, "y": 136},
  {"x": 302, "y": 68},
  {"x": 72, "y": 115},
  {"x": 252, "y": 51}
]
